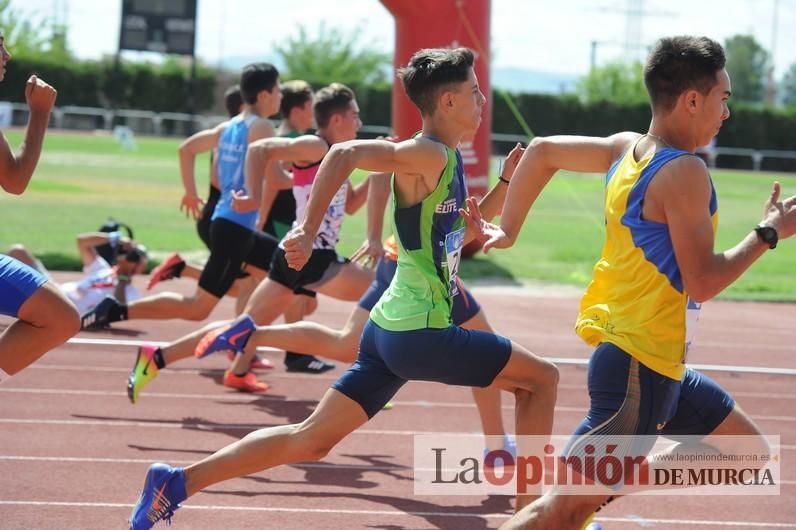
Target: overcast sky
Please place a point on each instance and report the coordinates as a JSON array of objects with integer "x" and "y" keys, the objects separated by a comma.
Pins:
[{"x": 545, "y": 35}]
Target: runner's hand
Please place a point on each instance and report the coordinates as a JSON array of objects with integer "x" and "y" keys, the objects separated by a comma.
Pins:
[
  {"x": 39, "y": 95},
  {"x": 780, "y": 215},
  {"x": 192, "y": 205},
  {"x": 369, "y": 253},
  {"x": 511, "y": 161},
  {"x": 491, "y": 235},
  {"x": 242, "y": 203},
  {"x": 298, "y": 248},
  {"x": 125, "y": 267}
]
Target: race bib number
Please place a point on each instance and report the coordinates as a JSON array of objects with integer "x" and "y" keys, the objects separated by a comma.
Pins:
[
  {"x": 691, "y": 319},
  {"x": 453, "y": 253}
]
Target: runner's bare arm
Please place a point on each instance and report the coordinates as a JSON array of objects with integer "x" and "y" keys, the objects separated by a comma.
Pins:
[
  {"x": 378, "y": 194},
  {"x": 86, "y": 244},
  {"x": 683, "y": 188},
  {"x": 541, "y": 160},
  {"x": 17, "y": 170},
  {"x": 201, "y": 142},
  {"x": 411, "y": 160},
  {"x": 357, "y": 196},
  {"x": 267, "y": 153}
]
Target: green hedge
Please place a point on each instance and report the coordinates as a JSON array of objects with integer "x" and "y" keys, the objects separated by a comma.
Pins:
[
  {"x": 748, "y": 126},
  {"x": 162, "y": 88},
  {"x": 166, "y": 88}
]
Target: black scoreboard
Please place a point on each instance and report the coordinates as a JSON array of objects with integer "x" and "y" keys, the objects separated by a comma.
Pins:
[{"x": 163, "y": 26}]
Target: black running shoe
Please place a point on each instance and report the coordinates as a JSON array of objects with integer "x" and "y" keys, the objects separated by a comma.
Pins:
[
  {"x": 99, "y": 317},
  {"x": 308, "y": 364}
]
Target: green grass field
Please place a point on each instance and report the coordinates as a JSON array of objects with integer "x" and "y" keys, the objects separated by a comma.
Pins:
[{"x": 83, "y": 179}]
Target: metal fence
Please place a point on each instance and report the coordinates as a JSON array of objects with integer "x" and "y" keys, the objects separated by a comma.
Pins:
[
  {"x": 182, "y": 125},
  {"x": 712, "y": 157}
]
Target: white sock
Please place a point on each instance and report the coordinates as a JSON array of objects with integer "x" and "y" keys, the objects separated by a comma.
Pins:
[{"x": 3, "y": 376}]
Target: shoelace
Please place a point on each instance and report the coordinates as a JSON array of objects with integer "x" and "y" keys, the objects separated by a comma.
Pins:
[{"x": 165, "y": 512}]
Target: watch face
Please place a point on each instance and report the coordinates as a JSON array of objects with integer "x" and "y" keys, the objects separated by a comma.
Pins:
[{"x": 768, "y": 234}]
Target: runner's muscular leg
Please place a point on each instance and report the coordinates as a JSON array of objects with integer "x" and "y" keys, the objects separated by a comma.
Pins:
[
  {"x": 487, "y": 399},
  {"x": 46, "y": 320},
  {"x": 350, "y": 283},
  {"x": 335, "y": 417},
  {"x": 168, "y": 305}
]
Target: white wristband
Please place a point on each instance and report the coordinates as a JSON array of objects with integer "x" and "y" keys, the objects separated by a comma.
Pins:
[{"x": 113, "y": 238}]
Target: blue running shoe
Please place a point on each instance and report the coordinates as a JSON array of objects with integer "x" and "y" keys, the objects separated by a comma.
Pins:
[
  {"x": 509, "y": 445},
  {"x": 228, "y": 338},
  {"x": 164, "y": 490}
]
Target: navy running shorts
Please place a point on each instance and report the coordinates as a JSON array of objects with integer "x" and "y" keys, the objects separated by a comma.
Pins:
[
  {"x": 627, "y": 398},
  {"x": 465, "y": 306},
  {"x": 388, "y": 359},
  {"x": 18, "y": 282}
]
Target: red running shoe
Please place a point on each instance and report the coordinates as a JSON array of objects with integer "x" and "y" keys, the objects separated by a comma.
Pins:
[
  {"x": 170, "y": 268},
  {"x": 246, "y": 383}
]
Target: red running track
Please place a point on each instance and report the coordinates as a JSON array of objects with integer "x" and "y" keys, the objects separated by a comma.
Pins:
[{"x": 74, "y": 450}]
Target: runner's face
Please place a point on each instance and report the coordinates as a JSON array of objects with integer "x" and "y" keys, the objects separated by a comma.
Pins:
[
  {"x": 275, "y": 99},
  {"x": 468, "y": 102},
  {"x": 350, "y": 122},
  {"x": 304, "y": 117},
  {"x": 714, "y": 109}
]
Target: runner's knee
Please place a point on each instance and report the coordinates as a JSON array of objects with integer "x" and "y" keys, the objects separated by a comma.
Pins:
[
  {"x": 310, "y": 305},
  {"x": 197, "y": 313},
  {"x": 544, "y": 376},
  {"x": 311, "y": 442},
  {"x": 64, "y": 320},
  {"x": 200, "y": 308}
]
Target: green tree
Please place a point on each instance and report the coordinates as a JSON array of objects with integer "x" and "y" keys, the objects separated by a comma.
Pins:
[
  {"x": 789, "y": 86},
  {"x": 747, "y": 64},
  {"x": 24, "y": 37},
  {"x": 332, "y": 55},
  {"x": 20, "y": 37},
  {"x": 617, "y": 82}
]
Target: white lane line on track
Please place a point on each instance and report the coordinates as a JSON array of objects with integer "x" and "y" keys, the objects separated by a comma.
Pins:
[
  {"x": 249, "y": 397},
  {"x": 237, "y": 397},
  {"x": 724, "y": 345},
  {"x": 392, "y": 513},
  {"x": 165, "y": 424},
  {"x": 252, "y": 397},
  {"x": 177, "y": 462},
  {"x": 147, "y": 461},
  {"x": 285, "y": 375},
  {"x": 557, "y": 360},
  {"x": 181, "y": 425},
  {"x": 186, "y": 371}
]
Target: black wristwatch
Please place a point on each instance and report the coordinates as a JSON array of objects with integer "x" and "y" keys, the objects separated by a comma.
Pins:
[{"x": 767, "y": 234}]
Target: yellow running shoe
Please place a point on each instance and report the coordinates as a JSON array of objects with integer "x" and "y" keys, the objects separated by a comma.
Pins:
[
  {"x": 591, "y": 525},
  {"x": 144, "y": 371}
]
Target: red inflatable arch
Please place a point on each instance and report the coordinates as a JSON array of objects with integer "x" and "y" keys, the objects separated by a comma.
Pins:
[{"x": 438, "y": 24}]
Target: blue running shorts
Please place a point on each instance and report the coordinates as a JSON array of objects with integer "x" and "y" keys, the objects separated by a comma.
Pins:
[
  {"x": 627, "y": 398},
  {"x": 18, "y": 282},
  {"x": 388, "y": 359}
]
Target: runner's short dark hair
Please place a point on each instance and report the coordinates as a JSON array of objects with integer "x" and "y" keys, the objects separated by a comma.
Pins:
[
  {"x": 677, "y": 64},
  {"x": 432, "y": 70},
  {"x": 330, "y": 100}
]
